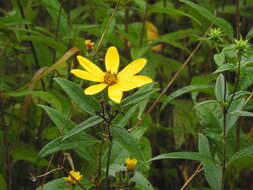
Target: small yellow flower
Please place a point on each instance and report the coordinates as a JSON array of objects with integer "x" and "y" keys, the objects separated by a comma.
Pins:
[
  {"x": 130, "y": 163},
  {"x": 117, "y": 82},
  {"x": 73, "y": 177},
  {"x": 152, "y": 34},
  {"x": 89, "y": 44}
]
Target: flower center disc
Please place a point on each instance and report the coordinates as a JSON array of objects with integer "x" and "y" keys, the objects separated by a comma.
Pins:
[{"x": 110, "y": 78}]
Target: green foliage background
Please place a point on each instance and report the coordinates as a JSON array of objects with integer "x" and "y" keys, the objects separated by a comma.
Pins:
[{"x": 176, "y": 123}]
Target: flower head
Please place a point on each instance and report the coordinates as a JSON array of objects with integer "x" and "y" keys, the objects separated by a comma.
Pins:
[
  {"x": 89, "y": 44},
  {"x": 241, "y": 46},
  {"x": 215, "y": 35},
  {"x": 130, "y": 163},
  {"x": 73, "y": 177},
  {"x": 117, "y": 82}
]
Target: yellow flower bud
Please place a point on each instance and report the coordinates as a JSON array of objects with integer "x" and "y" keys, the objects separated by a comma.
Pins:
[
  {"x": 89, "y": 44},
  {"x": 130, "y": 163}
]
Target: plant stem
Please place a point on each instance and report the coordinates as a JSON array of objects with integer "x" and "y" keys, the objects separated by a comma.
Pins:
[
  {"x": 106, "y": 28},
  {"x": 109, "y": 156},
  {"x": 224, "y": 139},
  {"x": 225, "y": 112},
  {"x": 195, "y": 173},
  {"x": 237, "y": 20},
  {"x": 143, "y": 24},
  {"x": 56, "y": 39},
  {"x": 36, "y": 60}
]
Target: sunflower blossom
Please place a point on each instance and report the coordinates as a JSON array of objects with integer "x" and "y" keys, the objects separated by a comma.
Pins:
[
  {"x": 73, "y": 177},
  {"x": 117, "y": 82}
]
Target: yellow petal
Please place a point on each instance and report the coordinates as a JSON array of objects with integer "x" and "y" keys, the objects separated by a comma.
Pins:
[
  {"x": 132, "y": 68},
  {"x": 94, "y": 89},
  {"x": 86, "y": 75},
  {"x": 152, "y": 32},
  {"x": 139, "y": 80},
  {"x": 90, "y": 67},
  {"x": 112, "y": 60},
  {"x": 125, "y": 85},
  {"x": 114, "y": 93}
]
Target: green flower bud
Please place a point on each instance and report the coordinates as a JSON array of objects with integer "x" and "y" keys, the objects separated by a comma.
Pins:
[
  {"x": 241, "y": 46},
  {"x": 215, "y": 35}
]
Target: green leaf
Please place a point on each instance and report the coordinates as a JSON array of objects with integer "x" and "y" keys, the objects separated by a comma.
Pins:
[
  {"x": 92, "y": 121},
  {"x": 141, "y": 181},
  {"x": 137, "y": 97},
  {"x": 60, "y": 120},
  {"x": 50, "y": 42},
  {"x": 241, "y": 158},
  {"x": 58, "y": 144},
  {"x": 127, "y": 116},
  {"x": 210, "y": 114},
  {"x": 184, "y": 90},
  {"x": 45, "y": 96},
  {"x": 88, "y": 103},
  {"x": 213, "y": 172},
  {"x": 178, "y": 35},
  {"x": 184, "y": 122},
  {"x": 182, "y": 155},
  {"x": 53, "y": 7},
  {"x": 219, "y": 58},
  {"x": 250, "y": 34},
  {"x": 220, "y": 88},
  {"x": 226, "y": 67},
  {"x": 57, "y": 184},
  {"x": 233, "y": 113},
  {"x": 128, "y": 142},
  {"x": 61, "y": 184},
  {"x": 137, "y": 52},
  {"x": 50, "y": 133},
  {"x": 173, "y": 11},
  {"x": 223, "y": 24},
  {"x": 243, "y": 113}
]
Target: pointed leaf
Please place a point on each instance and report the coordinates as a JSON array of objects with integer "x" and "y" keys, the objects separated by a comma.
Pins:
[{"x": 88, "y": 103}]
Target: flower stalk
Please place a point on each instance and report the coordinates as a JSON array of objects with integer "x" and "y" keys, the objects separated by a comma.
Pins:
[{"x": 225, "y": 112}]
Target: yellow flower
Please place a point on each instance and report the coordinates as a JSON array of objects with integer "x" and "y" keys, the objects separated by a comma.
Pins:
[
  {"x": 130, "y": 163},
  {"x": 117, "y": 82},
  {"x": 152, "y": 34},
  {"x": 73, "y": 177},
  {"x": 89, "y": 44}
]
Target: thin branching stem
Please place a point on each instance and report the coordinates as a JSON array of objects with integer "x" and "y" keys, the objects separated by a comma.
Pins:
[
  {"x": 35, "y": 56},
  {"x": 195, "y": 173}
]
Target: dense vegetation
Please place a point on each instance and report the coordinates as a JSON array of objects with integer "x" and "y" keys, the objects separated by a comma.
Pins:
[{"x": 186, "y": 76}]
